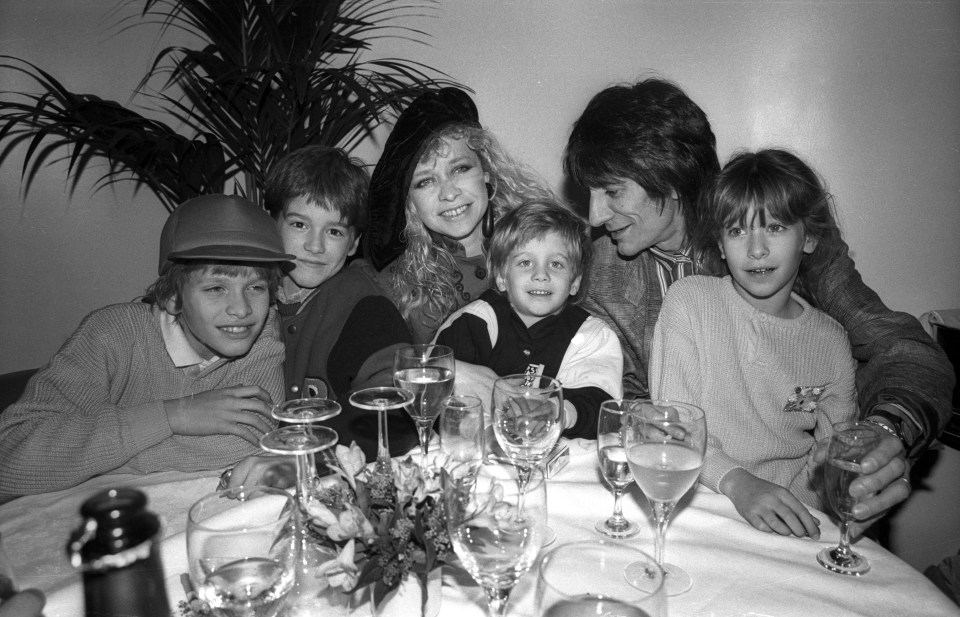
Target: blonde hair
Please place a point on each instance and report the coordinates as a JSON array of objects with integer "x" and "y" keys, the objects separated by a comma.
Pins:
[{"x": 424, "y": 280}]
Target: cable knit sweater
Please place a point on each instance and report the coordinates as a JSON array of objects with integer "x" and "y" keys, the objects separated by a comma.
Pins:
[
  {"x": 98, "y": 406},
  {"x": 743, "y": 368}
]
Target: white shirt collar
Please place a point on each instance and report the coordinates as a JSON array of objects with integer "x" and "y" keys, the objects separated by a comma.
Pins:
[{"x": 178, "y": 347}]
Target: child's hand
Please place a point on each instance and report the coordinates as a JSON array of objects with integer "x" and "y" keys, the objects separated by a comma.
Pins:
[
  {"x": 239, "y": 410},
  {"x": 767, "y": 506},
  {"x": 263, "y": 469}
]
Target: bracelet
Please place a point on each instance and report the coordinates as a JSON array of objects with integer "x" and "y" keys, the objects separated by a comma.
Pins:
[{"x": 886, "y": 428}]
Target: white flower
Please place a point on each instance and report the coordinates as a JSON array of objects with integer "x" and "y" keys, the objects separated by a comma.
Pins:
[{"x": 341, "y": 572}]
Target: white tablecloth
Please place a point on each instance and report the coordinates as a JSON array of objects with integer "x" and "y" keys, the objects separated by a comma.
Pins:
[{"x": 737, "y": 570}]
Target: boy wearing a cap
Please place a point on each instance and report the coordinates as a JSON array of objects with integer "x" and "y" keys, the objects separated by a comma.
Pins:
[
  {"x": 340, "y": 330},
  {"x": 182, "y": 380}
]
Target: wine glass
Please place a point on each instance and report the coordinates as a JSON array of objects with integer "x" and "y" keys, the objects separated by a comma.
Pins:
[
  {"x": 665, "y": 443},
  {"x": 241, "y": 549},
  {"x": 381, "y": 400},
  {"x": 302, "y": 441},
  {"x": 599, "y": 577},
  {"x": 427, "y": 371},
  {"x": 527, "y": 419},
  {"x": 495, "y": 537},
  {"x": 307, "y": 411},
  {"x": 614, "y": 466},
  {"x": 850, "y": 442},
  {"x": 461, "y": 430}
]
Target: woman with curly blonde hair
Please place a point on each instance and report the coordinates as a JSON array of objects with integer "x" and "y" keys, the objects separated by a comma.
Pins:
[{"x": 435, "y": 194}]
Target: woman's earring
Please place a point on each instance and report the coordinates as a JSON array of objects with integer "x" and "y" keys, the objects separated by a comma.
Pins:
[{"x": 487, "y": 227}]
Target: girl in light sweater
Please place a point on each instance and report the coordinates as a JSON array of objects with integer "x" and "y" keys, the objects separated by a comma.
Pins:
[{"x": 771, "y": 373}]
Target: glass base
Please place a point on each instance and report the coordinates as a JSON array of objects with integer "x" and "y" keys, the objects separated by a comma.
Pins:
[
  {"x": 675, "y": 580},
  {"x": 850, "y": 564},
  {"x": 613, "y": 528}
]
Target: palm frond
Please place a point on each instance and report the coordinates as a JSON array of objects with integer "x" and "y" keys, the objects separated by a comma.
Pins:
[{"x": 269, "y": 76}]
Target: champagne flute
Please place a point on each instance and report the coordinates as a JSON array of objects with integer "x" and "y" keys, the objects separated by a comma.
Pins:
[
  {"x": 622, "y": 581},
  {"x": 427, "y": 371},
  {"x": 665, "y": 443},
  {"x": 241, "y": 549},
  {"x": 381, "y": 400},
  {"x": 614, "y": 466},
  {"x": 495, "y": 537},
  {"x": 850, "y": 442}
]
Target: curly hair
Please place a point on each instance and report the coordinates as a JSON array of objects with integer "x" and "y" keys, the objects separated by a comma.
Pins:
[
  {"x": 774, "y": 183},
  {"x": 426, "y": 273}
]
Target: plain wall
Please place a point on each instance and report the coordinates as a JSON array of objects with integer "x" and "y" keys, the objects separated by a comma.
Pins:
[{"x": 866, "y": 91}]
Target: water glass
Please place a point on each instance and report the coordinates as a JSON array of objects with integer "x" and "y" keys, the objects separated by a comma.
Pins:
[
  {"x": 242, "y": 550},
  {"x": 599, "y": 577},
  {"x": 461, "y": 430}
]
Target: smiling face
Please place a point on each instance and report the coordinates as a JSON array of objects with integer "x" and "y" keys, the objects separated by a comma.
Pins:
[
  {"x": 222, "y": 314},
  {"x": 538, "y": 278},
  {"x": 634, "y": 220},
  {"x": 449, "y": 194},
  {"x": 318, "y": 238},
  {"x": 763, "y": 258}
]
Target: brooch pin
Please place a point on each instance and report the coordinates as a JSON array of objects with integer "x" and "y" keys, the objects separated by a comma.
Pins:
[{"x": 804, "y": 398}]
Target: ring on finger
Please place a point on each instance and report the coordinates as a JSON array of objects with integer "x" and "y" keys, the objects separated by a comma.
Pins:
[{"x": 225, "y": 478}]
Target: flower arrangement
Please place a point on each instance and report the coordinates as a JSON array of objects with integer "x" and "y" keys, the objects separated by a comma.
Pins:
[{"x": 384, "y": 526}]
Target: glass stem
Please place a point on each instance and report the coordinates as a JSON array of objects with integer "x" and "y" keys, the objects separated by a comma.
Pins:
[
  {"x": 616, "y": 520},
  {"x": 661, "y": 512},
  {"x": 523, "y": 479},
  {"x": 303, "y": 480},
  {"x": 497, "y": 601},
  {"x": 423, "y": 432},
  {"x": 383, "y": 450},
  {"x": 843, "y": 552}
]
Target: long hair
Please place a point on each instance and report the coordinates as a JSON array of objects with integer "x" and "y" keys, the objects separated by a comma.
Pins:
[
  {"x": 426, "y": 273},
  {"x": 774, "y": 183},
  {"x": 533, "y": 220},
  {"x": 650, "y": 132}
]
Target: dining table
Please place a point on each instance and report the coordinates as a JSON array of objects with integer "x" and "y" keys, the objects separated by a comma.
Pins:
[{"x": 737, "y": 571}]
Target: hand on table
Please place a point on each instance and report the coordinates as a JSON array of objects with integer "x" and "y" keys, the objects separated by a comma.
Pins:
[
  {"x": 243, "y": 411},
  {"x": 262, "y": 469},
  {"x": 26, "y": 603},
  {"x": 767, "y": 506},
  {"x": 883, "y": 484}
]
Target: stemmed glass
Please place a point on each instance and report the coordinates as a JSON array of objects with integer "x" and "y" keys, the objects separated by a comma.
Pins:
[
  {"x": 427, "y": 371},
  {"x": 527, "y": 419},
  {"x": 850, "y": 442},
  {"x": 665, "y": 443},
  {"x": 381, "y": 400},
  {"x": 241, "y": 550},
  {"x": 622, "y": 581},
  {"x": 614, "y": 466},
  {"x": 300, "y": 438},
  {"x": 495, "y": 537}
]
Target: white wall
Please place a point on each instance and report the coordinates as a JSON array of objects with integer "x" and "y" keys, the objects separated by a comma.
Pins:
[{"x": 867, "y": 91}]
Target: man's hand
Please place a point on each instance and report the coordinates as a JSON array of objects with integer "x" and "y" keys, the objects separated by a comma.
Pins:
[
  {"x": 239, "y": 410},
  {"x": 767, "y": 506},
  {"x": 883, "y": 484}
]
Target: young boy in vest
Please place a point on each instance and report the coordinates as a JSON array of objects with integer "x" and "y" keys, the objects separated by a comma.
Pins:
[
  {"x": 182, "y": 380},
  {"x": 340, "y": 331}
]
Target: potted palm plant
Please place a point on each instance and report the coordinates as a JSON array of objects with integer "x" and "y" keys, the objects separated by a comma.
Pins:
[{"x": 265, "y": 77}]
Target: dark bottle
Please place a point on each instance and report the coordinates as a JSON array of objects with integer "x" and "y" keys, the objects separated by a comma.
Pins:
[{"x": 117, "y": 549}]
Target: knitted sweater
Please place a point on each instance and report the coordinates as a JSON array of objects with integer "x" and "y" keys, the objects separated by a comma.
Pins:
[
  {"x": 743, "y": 368},
  {"x": 97, "y": 407}
]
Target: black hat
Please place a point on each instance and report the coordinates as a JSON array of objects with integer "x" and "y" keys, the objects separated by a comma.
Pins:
[
  {"x": 221, "y": 227},
  {"x": 426, "y": 115}
]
